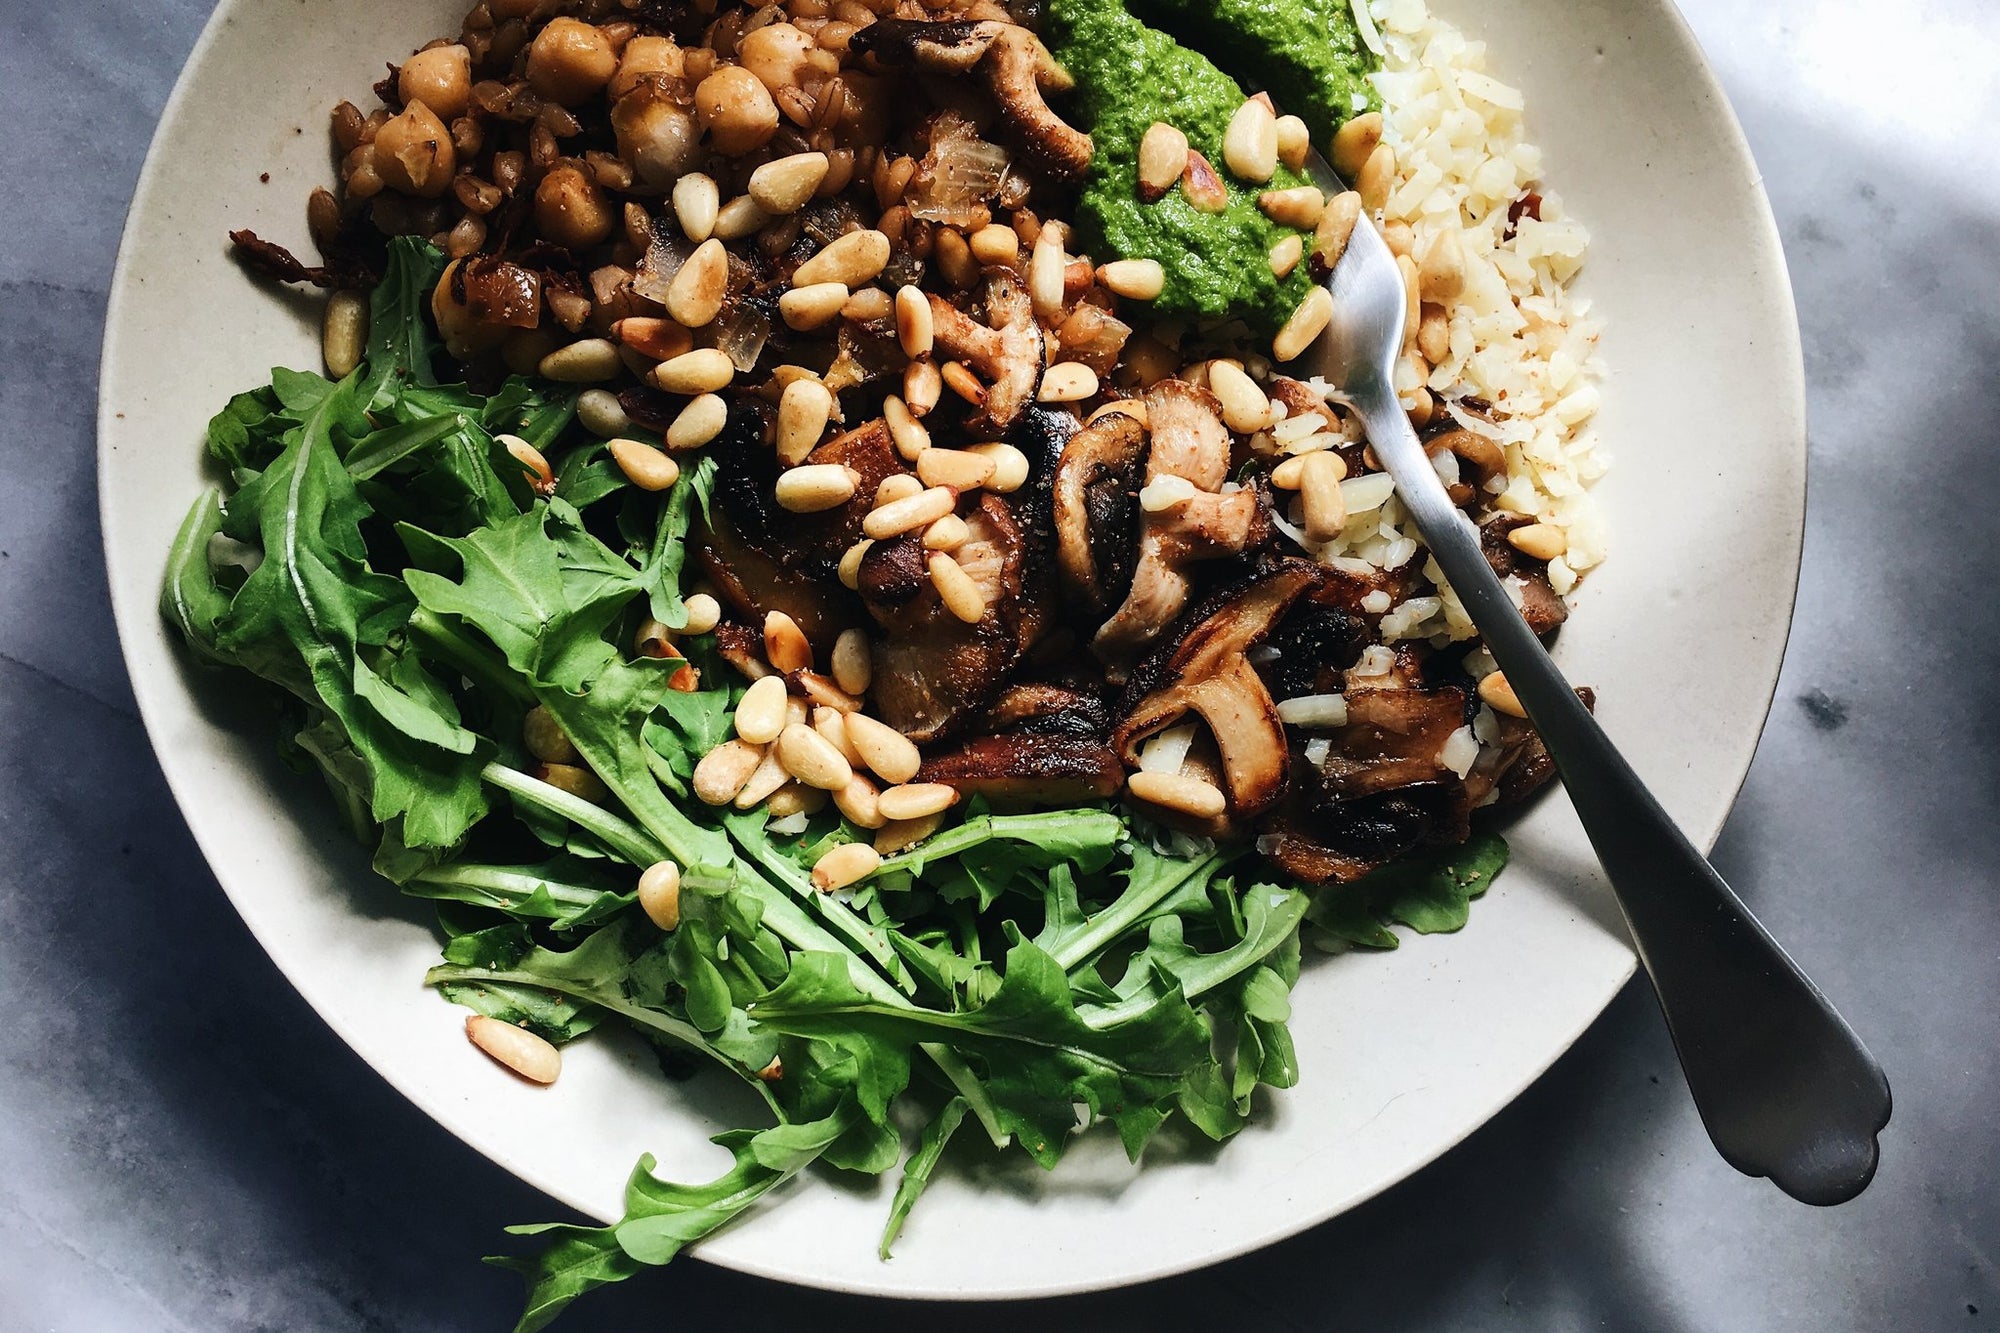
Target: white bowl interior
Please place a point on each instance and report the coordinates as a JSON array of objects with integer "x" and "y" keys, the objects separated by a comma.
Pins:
[{"x": 1403, "y": 1054}]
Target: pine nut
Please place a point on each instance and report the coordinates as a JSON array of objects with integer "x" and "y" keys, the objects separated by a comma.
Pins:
[
  {"x": 785, "y": 645},
  {"x": 947, "y": 534},
  {"x": 1500, "y": 697},
  {"x": 784, "y": 186},
  {"x": 804, "y": 408},
  {"x": 1354, "y": 142},
  {"x": 795, "y": 798},
  {"x": 1134, "y": 279},
  {"x": 853, "y": 661},
  {"x": 1010, "y": 467},
  {"x": 760, "y": 713},
  {"x": 855, "y": 258},
  {"x": 996, "y": 246},
  {"x": 849, "y": 568},
  {"x": 901, "y": 835},
  {"x": 1163, "y": 160},
  {"x": 1413, "y": 301},
  {"x": 916, "y": 328},
  {"x": 1319, "y": 490},
  {"x": 955, "y": 259},
  {"x": 892, "y": 756},
  {"x": 870, "y": 305},
  {"x": 1434, "y": 335},
  {"x": 1294, "y": 142},
  {"x": 961, "y": 596},
  {"x": 586, "y": 361},
  {"x": 1302, "y": 206},
  {"x": 704, "y": 370},
  {"x": 831, "y": 722},
  {"x": 698, "y": 423},
  {"x": 897, "y": 486},
  {"x": 1303, "y": 329},
  {"x": 343, "y": 333},
  {"x": 704, "y": 613},
  {"x": 809, "y": 308},
  {"x": 1290, "y": 474},
  {"x": 916, "y": 800},
  {"x": 846, "y": 864},
  {"x": 1285, "y": 256},
  {"x": 907, "y": 515},
  {"x": 963, "y": 383},
  {"x": 810, "y": 758},
  {"x": 644, "y": 466},
  {"x": 723, "y": 771},
  {"x": 923, "y": 386},
  {"x": 1250, "y": 144},
  {"x": 1541, "y": 541},
  {"x": 1377, "y": 175},
  {"x": 740, "y": 218},
  {"x": 1202, "y": 186},
  {"x": 527, "y": 1054},
  {"x": 696, "y": 204},
  {"x": 576, "y": 780},
  {"x": 1045, "y": 274},
  {"x": 859, "y": 802},
  {"x": 660, "y": 895},
  {"x": 540, "y": 475},
  {"x": 1245, "y": 409},
  {"x": 1400, "y": 237},
  {"x": 1067, "y": 382},
  {"x": 765, "y": 781},
  {"x": 956, "y": 468},
  {"x": 660, "y": 339},
  {"x": 1179, "y": 793},
  {"x": 545, "y": 738},
  {"x": 911, "y": 437},
  {"x": 1442, "y": 272},
  {"x": 695, "y": 296},
  {"x": 602, "y": 414},
  {"x": 1336, "y": 228},
  {"x": 820, "y": 691}
]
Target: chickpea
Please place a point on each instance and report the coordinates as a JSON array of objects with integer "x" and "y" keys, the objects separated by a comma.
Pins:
[
  {"x": 440, "y": 78},
  {"x": 777, "y": 54},
  {"x": 645, "y": 57},
  {"x": 736, "y": 110},
  {"x": 571, "y": 210},
  {"x": 465, "y": 334},
  {"x": 569, "y": 61},
  {"x": 657, "y": 137},
  {"x": 413, "y": 153}
]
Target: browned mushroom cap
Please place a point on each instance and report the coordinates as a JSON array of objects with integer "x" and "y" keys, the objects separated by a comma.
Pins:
[
  {"x": 1016, "y": 67},
  {"x": 1208, "y": 673},
  {"x": 1095, "y": 507},
  {"x": 1189, "y": 442},
  {"x": 1007, "y": 350}
]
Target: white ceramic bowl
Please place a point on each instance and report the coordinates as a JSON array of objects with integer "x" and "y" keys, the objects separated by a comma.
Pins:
[{"x": 1402, "y": 1054}]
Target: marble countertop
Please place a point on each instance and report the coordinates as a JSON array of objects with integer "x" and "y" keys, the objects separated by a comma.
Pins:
[{"x": 185, "y": 1146}]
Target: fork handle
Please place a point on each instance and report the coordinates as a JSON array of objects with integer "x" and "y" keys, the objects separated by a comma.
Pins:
[{"x": 1783, "y": 1084}]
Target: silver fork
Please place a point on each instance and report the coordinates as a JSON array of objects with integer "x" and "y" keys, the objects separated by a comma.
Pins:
[{"x": 1783, "y": 1084}]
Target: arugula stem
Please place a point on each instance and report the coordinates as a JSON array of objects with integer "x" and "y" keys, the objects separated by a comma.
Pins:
[
  {"x": 837, "y": 915},
  {"x": 629, "y": 842},
  {"x": 475, "y": 663},
  {"x": 508, "y": 886},
  {"x": 976, "y": 832},
  {"x": 1109, "y": 925}
]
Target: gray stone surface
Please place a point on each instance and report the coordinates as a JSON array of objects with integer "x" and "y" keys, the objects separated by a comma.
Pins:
[{"x": 183, "y": 1145}]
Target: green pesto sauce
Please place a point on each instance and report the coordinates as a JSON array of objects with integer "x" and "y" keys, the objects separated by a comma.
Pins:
[{"x": 1306, "y": 53}]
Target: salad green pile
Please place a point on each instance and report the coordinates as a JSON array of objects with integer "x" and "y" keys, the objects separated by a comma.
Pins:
[{"x": 375, "y": 554}]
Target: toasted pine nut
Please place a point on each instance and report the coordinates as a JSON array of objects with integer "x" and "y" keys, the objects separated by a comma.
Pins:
[
  {"x": 765, "y": 781},
  {"x": 853, "y": 662},
  {"x": 545, "y": 738},
  {"x": 723, "y": 771},
  {"x": 740, "y": 217},
  {"x": 696, "y": 203},
  {"x": 959, "y": 469},
  {"x": 1413, "y": 303},
  {"x": 1285, "y": 256},
  {"x": 1245, "y": 409},
  {"x": 704, "y": 370},
  {"x": 660, "y": 894},
  {"x": 574, "y": 779},
  {"x": 803, "y": 411},
  {"x": 343, "y": 333},
  {"x": 785, "y": 645},
  {"x": 916, "y": 328},
  {"x": 1010, "y": 467},
  {"x": 907, "y": 515},
  {"x": 916, "y": 800},
  {"x": 522, "y": 1051},
  {"x": 897, "y": 486},
  {"x": 602, "y": 414},
  {"x": 1294, "y": 142},
  {"x": 815, "y": 487},
  {"x": 1442, "y": 271},
  {"x": 1377, "y": 175},
  {"x": 760, "y": 713},
  {"x": 1202, "y": 186},
  {"x": 1500, "y": 697},
  {"x": 1319, "y": 489},
  {"x": 649, "y": 336},
  {"x": 903, "y": 834},
  {"x": 795, "y": 798},
  {"x": 961, "y": 596},
  {"x": 704, "y": 613},
  {"x": 1400, "y": 237},
  {"x": 812, "y": 759},
  {"x": 698, "y": 423},
  {"x": 1336, "y": 228},
  {"x": 695, "y": 296},
  {"x": 860, "y": 803},
  {"x": 1134, "y": 279},
  {"x": 644, "y": 466},
  {"x": 849, "y": 568},
  {"x": 1045, "y": 274},
  {"x": 1302, "y": 206},
  {"x": 1290, "y": 474},
  {"x": 1434, "y": 334},
  {"x": 1250, "y": 144},
  {"x": 955, "y": 260},
  {"x": 586, "y": 361},
  {"x": 892, "y": 755},
  {"x": 869, "y": 305},
  {"x": 910, "y": 435},
  {"x": 808, "y": 308},
  {"x": 784, "y": 186},
  {"x": 820, "y": 691},
  {"x": 1541, "y": 541},
  {"x": 996, "y": 245},
  {"x": 1302, "y": 330},
  {"x": 540, "y": 475},
  {"x": 1163, "y": 160},
  {"x": 1067, "y": 382},
  {"x": 1179, "y": 793},
  {"x": 1354, "y": 142},
  {"x": 922, "y": 387},
  {"x": 853, "y": 259},
  {"x": 963, "y": 383},
  {"x": 846, "y": 864},
  {"x": 947, "y": 534},
  {"x": 831, "y": 722}
]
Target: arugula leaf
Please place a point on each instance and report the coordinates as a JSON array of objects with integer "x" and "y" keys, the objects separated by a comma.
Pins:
[
  {"x": 662, "y": 570},
  {"x": 917, "y": 1170}
]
